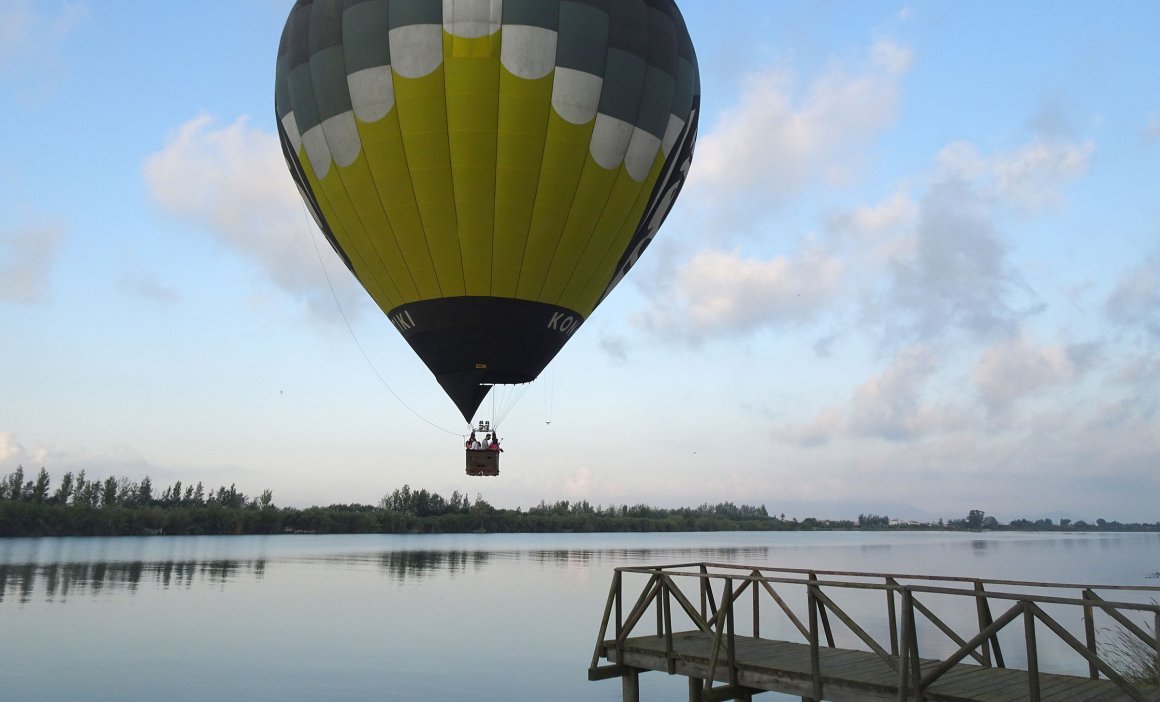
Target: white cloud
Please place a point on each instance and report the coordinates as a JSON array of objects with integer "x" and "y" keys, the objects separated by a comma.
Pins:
[
  {"x": 615, "y": 346},
  {"x": 1152, "y": 131},
  {"x": 26, "y": 258},
  {"x": 1029, "y": 177},
  {"x": 953, "y": 271},
  {"x": 579, "y": 484},
  {"x": 148, "y": 287},
  {"x": 1135, "y": 303},
  {"x": 1140, "y": 369},
  {"x": 916, "y": 269},
  {"x": 232, "y": 181},
  {"x": 31, "y": 36},
  {"x": 885, "y": 231},
  {"x": 957, "y": 275},
  {"x": 826, "y": 426},
  {"x": 10, "y": 450},
  {"x": 1018, "y": 367},
  {"x": 894, "y": 214},
  {"x": 890, "y": 406},
  {"x": 718, "y": 292},
  {"x": 57, "y": 460},
  {"x": 890, "y": 57},
  {"x": 774, "y": 143}
]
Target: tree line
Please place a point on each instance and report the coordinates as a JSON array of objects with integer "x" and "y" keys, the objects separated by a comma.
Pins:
[{"x": 112, "y": 506}]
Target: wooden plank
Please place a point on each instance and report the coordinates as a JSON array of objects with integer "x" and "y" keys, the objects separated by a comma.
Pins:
[
  {"x": 847, "y": 674},
  {"x": 1066, "y": 689},
  {"x": 606, "y": 672},
  {"x": 973, "y": 684}
]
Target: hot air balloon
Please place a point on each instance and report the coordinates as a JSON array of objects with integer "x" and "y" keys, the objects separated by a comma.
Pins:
[{"x": 488, "y": 170}]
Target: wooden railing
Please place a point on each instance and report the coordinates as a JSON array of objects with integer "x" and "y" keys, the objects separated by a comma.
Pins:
[{"x": 909, "y": 641}]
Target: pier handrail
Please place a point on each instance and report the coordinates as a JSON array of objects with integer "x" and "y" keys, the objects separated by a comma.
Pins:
[{"x": 901, "y": 652}]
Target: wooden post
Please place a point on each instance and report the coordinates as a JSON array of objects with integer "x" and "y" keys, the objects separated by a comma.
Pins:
[
  {"x": 821, "y": 609},
  {"x": 730, "y": 642},
  {"x": 982, "y": 610},
  {"x": 704, "y": 594},
  {"x": 909, "y": 668},
  {"x": 815, "y": 655},
  {"x": 696, "y": 689},
  {"x": 669, "y": 657},
  {"x": 1089, "y": 627},
  {"x": 756, "y": 606},
  {"x": 891, "y": 616},
  {"x": 660, "y": 608},
  {"x": 618, "y": 579},
  {"x": 1032, "y": 654},
  {"x": 904, "y": 655},
  {"x": 630, "y": 685}
]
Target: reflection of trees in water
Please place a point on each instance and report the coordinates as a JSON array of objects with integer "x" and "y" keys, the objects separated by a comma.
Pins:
[
  {"x": 404, "y": 565},
  {"x": 416, "y": 565},
  {"x": 58, "y": 581},
  {"x": 585, "y": 557}
]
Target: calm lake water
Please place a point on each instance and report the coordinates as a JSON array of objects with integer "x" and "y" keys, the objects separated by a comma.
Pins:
[{"x": 465, "y": 617}]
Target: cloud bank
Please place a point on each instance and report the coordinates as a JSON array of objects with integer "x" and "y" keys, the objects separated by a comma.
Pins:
[
  {"x": 231, "y": 182},
  {"x": 27, "y": 255},
  {"x": 778, "y": 140}
]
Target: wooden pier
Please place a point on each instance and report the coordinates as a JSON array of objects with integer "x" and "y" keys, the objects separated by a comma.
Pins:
[{"x": 934, "y": 638}]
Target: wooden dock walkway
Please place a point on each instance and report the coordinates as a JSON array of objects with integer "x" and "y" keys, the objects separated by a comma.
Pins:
[{"x": 709, "y": 650}]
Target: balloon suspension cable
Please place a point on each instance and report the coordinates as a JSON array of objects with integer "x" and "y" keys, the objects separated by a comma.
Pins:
[
  {"x": 357, "y": 343},
  {"x": 504, "y": 398}
]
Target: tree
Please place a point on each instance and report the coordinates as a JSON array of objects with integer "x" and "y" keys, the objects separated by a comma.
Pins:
[
  {"x": 65, "y": 491},
  {"x": 16, "y": 484},
  {"x": 145, "y": 492},
  {"x": 41, "y": 487},
  {"x": 975, "y": 519},
  {"x": 80, "y": 493},
  {"x": 109, "y": 492}
]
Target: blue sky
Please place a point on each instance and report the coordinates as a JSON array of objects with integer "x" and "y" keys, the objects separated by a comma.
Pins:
[{"x": 916, "y": 270}]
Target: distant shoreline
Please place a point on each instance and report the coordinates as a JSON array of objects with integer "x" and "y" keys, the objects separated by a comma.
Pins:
[
  {"x": 78, "y": 506},
  {"x": 27, "y": 519}
]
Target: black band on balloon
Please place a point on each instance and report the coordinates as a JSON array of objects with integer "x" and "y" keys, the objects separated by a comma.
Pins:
[{"x": 471, "y": 343}]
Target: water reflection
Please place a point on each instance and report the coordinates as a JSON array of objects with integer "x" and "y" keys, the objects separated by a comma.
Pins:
[
  {"x": 55, "y": 570},
  {"x": 60, "y": 580},
  {"x": 654, "y": 556},
  {"x": 57, "y": 581},
  {"x": 402, "y": 566}
]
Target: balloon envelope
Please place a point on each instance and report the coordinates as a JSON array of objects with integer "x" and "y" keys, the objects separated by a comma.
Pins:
[{"x": 488, "y": 169}]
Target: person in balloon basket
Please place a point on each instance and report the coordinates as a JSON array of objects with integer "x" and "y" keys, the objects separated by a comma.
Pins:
[
  {"x": 473, "y": 443},
  {"x": 493, "y": 443}
]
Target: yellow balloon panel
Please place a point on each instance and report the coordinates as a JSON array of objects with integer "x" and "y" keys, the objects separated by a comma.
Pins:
[
  {"x": 383, "y": 144},
  {"x": 524, "y": 106},
  {"x": 609, "y": 233},
  {"x": 422, "y": 107},
  {"x": 588, "y": 296},
  {"x": 354, "y": 238},
  {"x": 565, "y": 154},
  {"x": 472, "y": 117}
]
